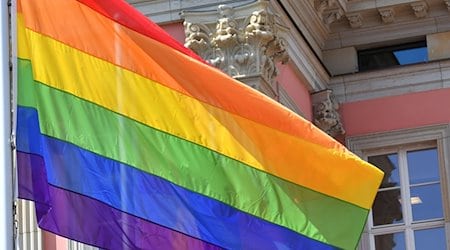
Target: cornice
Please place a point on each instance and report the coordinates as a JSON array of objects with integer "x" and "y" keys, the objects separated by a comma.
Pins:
[
  {"x": 166, "y": 11},
  {"x": 389, "y": 82},
  {"x": 322, "y": 20}
]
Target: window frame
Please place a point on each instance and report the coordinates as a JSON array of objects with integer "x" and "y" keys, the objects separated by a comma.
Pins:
[{"x": 407, "y": 140}]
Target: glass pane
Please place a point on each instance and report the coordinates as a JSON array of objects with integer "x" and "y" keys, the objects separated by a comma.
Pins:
[
  {"x": 395, "y": 241},
  {"x": 430, "y": 239},
  {"x": 426, "y": 202},
  {"x": 410, "y": 56},
  {"x": 387, "y": 208},
  {"x": 389, "y": 165},
  {"x": 423, "y": 166}
]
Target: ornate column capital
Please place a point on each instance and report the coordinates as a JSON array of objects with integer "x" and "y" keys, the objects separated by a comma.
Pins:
[
  {"x": 325, "y": 113},
  {"x": 244, "y": 42}
]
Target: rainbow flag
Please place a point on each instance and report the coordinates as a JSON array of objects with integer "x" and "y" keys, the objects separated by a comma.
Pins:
[{"x": 127, "y": 140}]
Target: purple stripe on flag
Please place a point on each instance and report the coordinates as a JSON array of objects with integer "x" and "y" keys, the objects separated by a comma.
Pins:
[{"x": 90, "y": 221}]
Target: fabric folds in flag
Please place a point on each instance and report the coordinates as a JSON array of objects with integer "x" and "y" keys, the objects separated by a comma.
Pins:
[{"x": 128, "y": 140}]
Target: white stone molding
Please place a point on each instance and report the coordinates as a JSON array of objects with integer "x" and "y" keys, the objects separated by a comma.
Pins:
[
  {"x": 325, "y": 113},
  {"x": 387, "y": 15},
  {"x": 355, "y": 20},
  {"x": 241, "y": 42},
  {"x": 301, "y": 46},
  {"x": 396, "y": 32},
  {"x": 74, "y": 245},
  {"x": 391, "y": 82},
  {"x": 439, "y": 133},
  {"x": 420, "y": 9},
  {"x": 166, "y": 11},
  {"x": 29, "y": 235}
]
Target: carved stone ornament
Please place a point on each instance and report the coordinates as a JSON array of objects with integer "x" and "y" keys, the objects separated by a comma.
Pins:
[
  {"x": 355, "y": 20},
  {"x": 329, "y": 10},
  {"x": 240, "y": 46},
  {"x": 325, "y": 112},
  {"x": 447, "y": 2},
  {"x": 321, "y": 5},
  {"x": 420, "y": 9},
  {"x": 387, "y": 15},
  {"x": 331, "y": 16}
]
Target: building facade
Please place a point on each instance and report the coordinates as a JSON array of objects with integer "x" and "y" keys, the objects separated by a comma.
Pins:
[{"x": 374, "y": 74}]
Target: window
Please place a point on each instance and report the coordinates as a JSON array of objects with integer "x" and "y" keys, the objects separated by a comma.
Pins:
[
  {"x": 411, "y": 207},
  {"x": 386, "y": 57},
  {"x": 408, "y": 208}
]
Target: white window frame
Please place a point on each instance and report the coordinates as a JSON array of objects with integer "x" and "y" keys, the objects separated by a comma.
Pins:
[{"x": 376, "y": 143}]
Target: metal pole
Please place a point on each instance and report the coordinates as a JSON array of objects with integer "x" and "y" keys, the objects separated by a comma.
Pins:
[{"x": 6, "y": 173}]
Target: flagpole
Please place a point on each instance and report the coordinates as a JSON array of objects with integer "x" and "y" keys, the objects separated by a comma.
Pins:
[{"x": 6, "y": 186}]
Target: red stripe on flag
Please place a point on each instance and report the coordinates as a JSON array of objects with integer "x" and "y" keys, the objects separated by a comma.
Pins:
[{"x": 124, "y": 14}]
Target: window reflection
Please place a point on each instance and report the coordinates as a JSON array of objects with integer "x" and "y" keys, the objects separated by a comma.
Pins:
[
  {"x": 387, "y": 208},
  {"x": 389, "y": 165},
  {"x": 430, "y": 206},
  {"x": 410, "y": 56},
  {"x": 395, "y": 241},
  {"x": 433, "y": 238},
  {"x": 423, "y": 166}
]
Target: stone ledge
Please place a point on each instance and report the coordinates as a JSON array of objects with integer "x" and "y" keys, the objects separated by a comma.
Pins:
[{"x": 390, "y": 82}]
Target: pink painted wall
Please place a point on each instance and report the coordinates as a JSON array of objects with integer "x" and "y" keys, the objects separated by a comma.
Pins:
[
  {"x": 291, "y": 81},
  {"x": 53, "y": 242},
  {"x": 396, "y": 112},
  {"x": 176, "y": 30}
]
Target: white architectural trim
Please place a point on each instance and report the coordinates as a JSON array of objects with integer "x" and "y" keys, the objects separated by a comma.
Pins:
[
  {"x": 29, "y": 235},
  {"x": 166, "y": 11},
  {"x": 302, "y": 56},
  {"x": 441, "y": 133},
  {"x": 74, "y": 245},
  {"x": 393, "y": 81},
  {"x": 309, "y": 22}
]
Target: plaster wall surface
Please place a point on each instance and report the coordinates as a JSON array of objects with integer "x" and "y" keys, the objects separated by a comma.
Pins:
[
  {"x": 176, "y": 30},
  {"x": 293, "y": 85},
  {"x": 396, "y": 112},
  {"x": 54, "y": 242}
]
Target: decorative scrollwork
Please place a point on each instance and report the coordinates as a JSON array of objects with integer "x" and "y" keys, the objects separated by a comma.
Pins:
[
  {"x": 326, "y": 115},
  {"x": 244, "y": 46}
]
